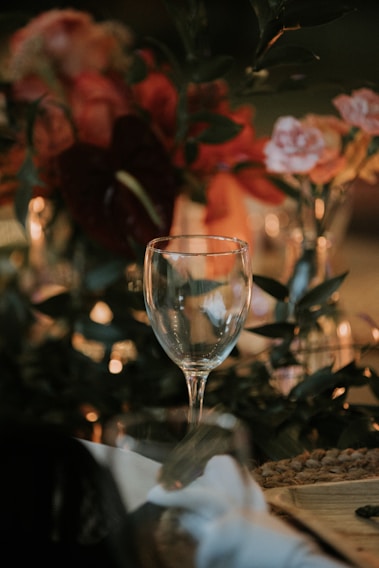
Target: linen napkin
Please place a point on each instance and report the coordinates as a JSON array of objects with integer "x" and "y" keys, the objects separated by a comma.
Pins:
[
  {"x": 227, "y": 515},
  {"x": 133, "y": 473}
]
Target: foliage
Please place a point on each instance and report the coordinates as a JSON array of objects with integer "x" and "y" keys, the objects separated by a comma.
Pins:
[{"x": 314, "y": 413}]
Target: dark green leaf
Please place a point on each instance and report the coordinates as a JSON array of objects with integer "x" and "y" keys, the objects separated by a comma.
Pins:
[
  {"x": 286, "y": 55},
  {"x": 321, "y": 293},
  {"x": 28, "y": 178},
  {"x": 137, "y": 71},
  {"x": 211, "y": 69},
  {"x": 271, "y": 286},
  {"x": 219, "y": 128},
  {"x": 313, "y": 385},
  {"x": 274, "y": 330},
  {"x": 104, "y": 275},
  {"x": 262, "y": 11},
  {"x": 107, "y": 334},
  {"x": 191, "y": 151},
  {"x": 57, "y": 306},
  {"x": 309, "y": 13},
  {"x": 373, "y": 379},
  {"x": 373, "y": 147},
  {"x": 359, "y": 433},
  {"x": 286, "y": 188}
]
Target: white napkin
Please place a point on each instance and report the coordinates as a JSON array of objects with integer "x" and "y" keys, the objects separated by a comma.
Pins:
[
  {"x": 134, "y": 474},
  {"x": 229, "y": 518}
]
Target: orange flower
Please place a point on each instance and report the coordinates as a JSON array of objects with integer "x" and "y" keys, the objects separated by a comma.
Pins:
[
  {"x": 226, "y": 211},
  {"x": 331, "y": 161},
  {"x": 157, "y": 96}
]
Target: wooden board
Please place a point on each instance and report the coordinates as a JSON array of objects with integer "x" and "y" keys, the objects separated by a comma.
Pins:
[{"x": 328, "y": 511}]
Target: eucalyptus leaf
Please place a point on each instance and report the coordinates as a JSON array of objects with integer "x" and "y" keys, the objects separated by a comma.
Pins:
[
  {"x": 33, "y": 110},
  {"x": 28, "y": 178},
  {"x": 107, "y": 334},
  {"x": 219, "y": 128},
  {"x": 321, "y": 293},
  {"x": 262, "y": 11},
  {"x": 373, "y": 146},
  {"x": 58, "y": 306},
  {"x": 286, "y": 188},
  {"x": 271, "y": 286},
  {"x": 137, "y": 71},
  {"x": 282, "y": 356},
  {"x": 309, "y": 13},
  {"x": 359, "y": 433},
  {"x": 323, "y": 379},
  {"x": 274, "y": 330},
  {"x": 104, "y": 275},
  {"x": 191, "y": 151},
  {"x": 286, "y": 55}
]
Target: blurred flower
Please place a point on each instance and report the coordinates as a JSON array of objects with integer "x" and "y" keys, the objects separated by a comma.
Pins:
[
  {"x": 73, "y": 82},
  {"x": 361, "y": 109},
  {"x": 319, "y": 157}
]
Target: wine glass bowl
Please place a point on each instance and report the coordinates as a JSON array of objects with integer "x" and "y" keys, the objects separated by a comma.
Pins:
[{"x": 197, "y": 293}]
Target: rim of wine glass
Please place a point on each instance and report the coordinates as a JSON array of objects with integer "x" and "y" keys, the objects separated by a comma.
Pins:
[{"x": 240, "y": 244}]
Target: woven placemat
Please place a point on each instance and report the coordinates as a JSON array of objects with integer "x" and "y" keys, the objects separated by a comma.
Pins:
[{"x": 319, "y": 466}]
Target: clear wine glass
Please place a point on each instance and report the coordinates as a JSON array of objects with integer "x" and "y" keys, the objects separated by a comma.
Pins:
[{"x": 197, "y": 293}]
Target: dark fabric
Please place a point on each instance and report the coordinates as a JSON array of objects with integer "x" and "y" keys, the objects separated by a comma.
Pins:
[{"x": 58, "y": 505}]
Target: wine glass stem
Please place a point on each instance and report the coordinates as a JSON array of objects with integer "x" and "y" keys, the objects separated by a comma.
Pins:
[{"x": 196, "y": 387}]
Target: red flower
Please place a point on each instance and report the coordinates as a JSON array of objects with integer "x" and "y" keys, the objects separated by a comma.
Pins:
[{"x": 106, "y": 209}]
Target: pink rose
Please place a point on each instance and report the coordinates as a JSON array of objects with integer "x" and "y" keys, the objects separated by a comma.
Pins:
[
  {"x": 295, "y": 148},
  {"x": 361, "y": 109}
]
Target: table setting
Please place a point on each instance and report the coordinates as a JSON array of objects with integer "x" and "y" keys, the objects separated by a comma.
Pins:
[
  {"x": 225, "y": 516},
  {"x": 172, "y": 290}
]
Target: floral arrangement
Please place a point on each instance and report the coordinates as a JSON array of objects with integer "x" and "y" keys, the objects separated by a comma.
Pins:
[
  {"x": 104, "y": 110},
  {"x": 104, "y": 139},
  {"x": 320, "y": 157},
  {"x": 316, "y": 160}
]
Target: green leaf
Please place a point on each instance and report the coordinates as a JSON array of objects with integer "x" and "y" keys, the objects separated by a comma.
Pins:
[
  {"x": 373, "y": 147},
  {"x": 286, "y": 55},
  {"x": 28, "y": 178},
  {"x": 210, "y": 69},
  {"x": 321, "y": 293},
  {"x": 56, "y": 307},
  {"x": 359, "y": 433},
  {"x": 271, "y": 286},
  {"x": 107, "y": 334},
  {"x": 191, "y": 150},
  {"x": 309, "y": 13},
  {"x": 262, "y": 12},
  {"x": 286, "y": 188},
  {"x": 104, "y": 275},
  {"x": 220, "y": 128},
  {"x": 275, "y": 330},
  {"x": 137, "y": 72},
  {"x": 313, "y": 385}
]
